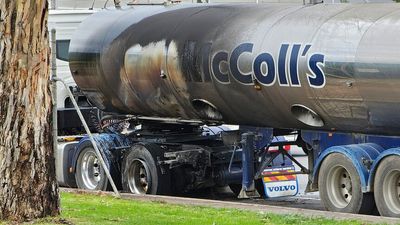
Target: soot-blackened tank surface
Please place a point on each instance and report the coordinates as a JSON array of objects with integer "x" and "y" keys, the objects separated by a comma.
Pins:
[{"x": 328, "y": 67}]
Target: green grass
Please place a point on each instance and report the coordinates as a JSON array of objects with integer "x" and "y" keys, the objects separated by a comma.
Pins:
[{"x": 94, "y": 209}]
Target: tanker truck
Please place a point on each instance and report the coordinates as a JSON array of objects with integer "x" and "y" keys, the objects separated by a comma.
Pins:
[{"x": 328, "y": 73}]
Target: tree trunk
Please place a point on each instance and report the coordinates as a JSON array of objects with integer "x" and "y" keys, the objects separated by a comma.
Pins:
[{"x": 28, "y": 187}]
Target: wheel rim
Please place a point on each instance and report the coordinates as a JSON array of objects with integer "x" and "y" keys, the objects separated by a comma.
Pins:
[
  {"x": 391, "y": 190},
  {"x": 139, "y": 179},
  {"x": 339, "y": 187},
  {"x": 90, "y": 170}
]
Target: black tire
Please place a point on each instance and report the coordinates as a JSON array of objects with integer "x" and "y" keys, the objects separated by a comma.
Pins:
[
  {"x": 144, "y": 156},
  {"x": 89, "y": 173},
  {"x": 340, "y": 186},
  {"x": 386, "y": 186},
  {"x": 260, "y": 187},
  {"x": 236, "y": 188}
]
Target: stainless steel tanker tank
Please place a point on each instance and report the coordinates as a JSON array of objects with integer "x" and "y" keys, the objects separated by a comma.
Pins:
[{"x": 326, "y": 66}]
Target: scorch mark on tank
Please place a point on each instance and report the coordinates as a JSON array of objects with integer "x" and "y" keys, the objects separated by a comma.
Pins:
[{"x": 153, "y": 73}]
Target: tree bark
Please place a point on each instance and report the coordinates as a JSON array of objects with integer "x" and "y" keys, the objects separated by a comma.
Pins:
[{"x": 28, "y": 187}]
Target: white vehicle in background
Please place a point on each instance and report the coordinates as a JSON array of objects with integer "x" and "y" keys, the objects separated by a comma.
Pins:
[{"x": 65, "y": 22}]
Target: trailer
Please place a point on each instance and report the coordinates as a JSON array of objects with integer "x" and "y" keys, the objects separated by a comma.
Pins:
[{"x": 327, "y": 73}]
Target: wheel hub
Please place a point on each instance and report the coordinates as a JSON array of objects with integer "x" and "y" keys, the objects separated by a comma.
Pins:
[
  {"x": 139, "y": 179},
  {"x": 340, "y": 188},
  {"x": 91, "y": 170},
  {"x": 391, "y": 190}
]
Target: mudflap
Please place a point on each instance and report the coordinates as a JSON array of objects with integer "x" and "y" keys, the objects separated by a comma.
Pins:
[{"x": 280, "y": 185}]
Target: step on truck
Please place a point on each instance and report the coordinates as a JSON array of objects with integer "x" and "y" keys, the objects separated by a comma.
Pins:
[{"x": 327, "y": 73}]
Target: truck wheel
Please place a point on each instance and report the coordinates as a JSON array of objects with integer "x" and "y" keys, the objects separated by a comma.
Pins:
[
  {"x": 340, "y": 186},
  {"x": 260, "y": 187},
  {"x": 89, "y": 173},
  {"x": 236, "y": 188},
  {"x": 387, "y": 187},
  {"x": 141, "y": 174}
]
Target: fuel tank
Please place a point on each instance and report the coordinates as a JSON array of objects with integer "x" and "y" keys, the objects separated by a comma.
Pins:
[{"x": 327, "y": 66}]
